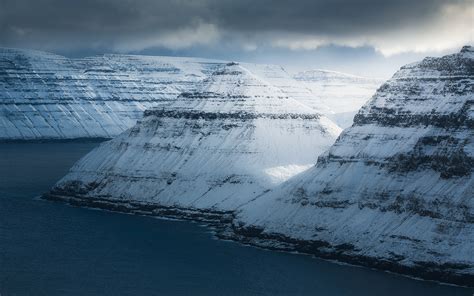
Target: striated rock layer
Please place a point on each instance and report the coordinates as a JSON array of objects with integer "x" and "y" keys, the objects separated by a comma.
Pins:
[
  {"x": 213, "y": 149},
  {"x": 46, "y": 96},
  {"x": 396, "y": 190}
]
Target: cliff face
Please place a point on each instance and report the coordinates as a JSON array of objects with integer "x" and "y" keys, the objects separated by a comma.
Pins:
[
  {"x": 342, "y": 94},
  {"x": 396, "y": 190},
  {"x": 46, "y": 96},
  {"x": 213, "y": 149}
]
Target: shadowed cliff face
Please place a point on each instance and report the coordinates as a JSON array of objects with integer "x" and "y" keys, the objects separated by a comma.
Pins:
[
  {"x": 398, "y": 185},
  {"x": 435, "y": 97}
]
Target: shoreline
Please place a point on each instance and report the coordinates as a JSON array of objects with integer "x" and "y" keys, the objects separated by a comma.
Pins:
[{"x": 221, "y": 223}]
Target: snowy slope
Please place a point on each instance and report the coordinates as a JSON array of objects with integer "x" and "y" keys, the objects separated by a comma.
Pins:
[
  {"x": 46, "y": 96},
  {"x": 396, "y": 190},
  {"x": 343, "y": 94},
  {"x": 213, "y": 149},
  {"x": 279, "y": 77}
]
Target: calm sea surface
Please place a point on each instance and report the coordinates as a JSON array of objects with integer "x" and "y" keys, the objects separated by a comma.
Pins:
[{"x": 49, "y": 248}]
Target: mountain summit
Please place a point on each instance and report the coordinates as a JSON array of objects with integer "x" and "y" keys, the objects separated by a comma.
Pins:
[{"x": 214, "y": 148}]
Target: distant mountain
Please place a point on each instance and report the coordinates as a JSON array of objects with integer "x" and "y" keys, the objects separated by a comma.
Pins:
[
  {"x": 343, "y": 94},
  {"x": 46, "y": 96},
  {"x": 396, "y": 190},
  {"x": 214, "y": 148}
]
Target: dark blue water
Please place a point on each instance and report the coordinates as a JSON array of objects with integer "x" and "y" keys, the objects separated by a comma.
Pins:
[{"x": 50, "y": 248}]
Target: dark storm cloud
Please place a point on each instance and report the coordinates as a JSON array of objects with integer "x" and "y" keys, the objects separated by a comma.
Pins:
[
  {"x": 324, "y": 16},
  {"x": 128, "y": 25},
  {"x": 101, "y": 17}
]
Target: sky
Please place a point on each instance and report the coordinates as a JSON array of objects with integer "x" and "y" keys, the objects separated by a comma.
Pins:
[{"x": 365, "y": 37}]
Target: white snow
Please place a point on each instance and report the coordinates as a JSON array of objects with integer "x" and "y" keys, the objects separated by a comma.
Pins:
[
  {"x": 47, "y": 96},
  {"x": 214, "y": 148},
  {"x": 380, "y": 187},
  {"x": 343, "y": 94}
]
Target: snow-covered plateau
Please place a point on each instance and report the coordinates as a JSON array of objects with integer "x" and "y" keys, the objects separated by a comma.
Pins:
[
  {"x": 396, "y": 190},
  {"x": 47, "y": 96}
]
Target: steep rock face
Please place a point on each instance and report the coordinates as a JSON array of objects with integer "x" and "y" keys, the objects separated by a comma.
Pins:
[
  {"x": 343, "y": 94},
  {"x": 214, "y": 148},
  {"x": 396, "y": 190},
  {"x": 46, "y": 96}
]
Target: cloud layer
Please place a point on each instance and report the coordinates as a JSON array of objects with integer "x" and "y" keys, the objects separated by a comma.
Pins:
[
  {"x": 298, "y": 30},
  {"x": 389, "y": 26}
]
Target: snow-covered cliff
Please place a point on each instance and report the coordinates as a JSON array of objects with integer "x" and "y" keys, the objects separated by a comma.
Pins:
[
  {"x": 213, "y": 149},
  {"x": 343, "y": 94},
  {"x": 46, "y": 96},
  {"x": 396, "y": 190}
]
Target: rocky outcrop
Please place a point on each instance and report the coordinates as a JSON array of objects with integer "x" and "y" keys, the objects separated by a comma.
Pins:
[
  {"x": 215, "y": 148},
  {"x": 396, "y": 190}
]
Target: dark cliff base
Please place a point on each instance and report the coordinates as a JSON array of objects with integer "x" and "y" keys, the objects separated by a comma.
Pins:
[
  {"x": 221, "y": 222},
  {"x": 212, "y": 218},
  {"x": 445, "y": 273}
]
